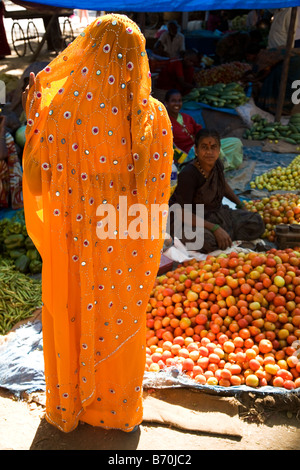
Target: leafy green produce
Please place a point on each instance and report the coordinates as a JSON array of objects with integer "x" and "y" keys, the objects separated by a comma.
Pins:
[
  {"x": 274, "y": 131},
  {"x": 20, "y": 296},
  {"x": 220, "y": 95},
  {"x": 15, "y": 244}
]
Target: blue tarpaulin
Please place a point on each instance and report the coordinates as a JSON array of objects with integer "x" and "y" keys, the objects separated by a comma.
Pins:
[
  {"x": 22, "y": 369},
  {"x": 166, "y": 5}
]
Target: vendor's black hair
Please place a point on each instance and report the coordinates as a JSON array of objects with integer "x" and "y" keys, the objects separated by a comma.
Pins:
[
  {"x": 207, "y": 133},
  {"x": 171, "y": 93}
]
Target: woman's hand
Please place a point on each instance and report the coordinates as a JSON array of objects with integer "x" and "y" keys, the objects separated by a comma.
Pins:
[
  {"x": 25, "y": 92},
  {"x": 223, "y": 239}
]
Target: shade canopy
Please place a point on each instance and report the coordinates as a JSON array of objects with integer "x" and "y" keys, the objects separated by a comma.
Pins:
[{"x": 167, "y": 5}]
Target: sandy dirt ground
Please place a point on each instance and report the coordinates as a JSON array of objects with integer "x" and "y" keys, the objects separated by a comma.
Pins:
[{"x": 23, "y": 426}]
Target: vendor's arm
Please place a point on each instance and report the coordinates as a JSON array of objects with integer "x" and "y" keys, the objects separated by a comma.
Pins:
[
  {"x": 159, "y": 46},
  {"x": 222, "y": 237},
  {"x": 186, "y": 188},
  {"x": 230, "y": 194},
  {"x": 183, "y": 196}
]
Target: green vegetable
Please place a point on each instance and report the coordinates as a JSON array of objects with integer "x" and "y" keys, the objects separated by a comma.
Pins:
[
  {"x": 29, "y": 243},
  {"x": 22, "y": 264},
  {"x": 20, "y": 296},
  {"x": 16, "y": 227},
  {"x": 15, "y": 254},
  {"x": 20, "y": 136},
  {"x": 33, "y": 254},
  {"x": 35, "y": 266},
  {"x": 14, "y": 241},
  {"x": 219, "y": 95},
  {"x": 274, "y": 130}
]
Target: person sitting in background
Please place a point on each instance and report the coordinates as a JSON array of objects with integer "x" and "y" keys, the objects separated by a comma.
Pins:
[
  {"x": 185, "y": 129},
  {"x": 184, "y": 126},
  {"x": 202, "y": 181},
  {"x": 10, "y": 171},
  {"x": 171, "y": 43},
  {"x": 179, "y": 73},
  {"x": 231, "y": 47},
  {"x": 266, "y": 75}
]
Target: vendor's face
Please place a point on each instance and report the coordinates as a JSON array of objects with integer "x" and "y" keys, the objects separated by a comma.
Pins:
[
  {"x": 172, "y": 28},
  {"x": 174, "y": 104},
  {"x": 208, "y": 151}
]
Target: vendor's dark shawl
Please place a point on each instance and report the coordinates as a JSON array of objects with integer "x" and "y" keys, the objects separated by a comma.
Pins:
[
  {"x": 193, "y": 188},
  {"x": 212, "y": 191}
]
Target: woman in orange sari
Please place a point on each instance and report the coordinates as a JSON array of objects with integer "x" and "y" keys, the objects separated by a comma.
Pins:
[{"x": 95, "y": 136}]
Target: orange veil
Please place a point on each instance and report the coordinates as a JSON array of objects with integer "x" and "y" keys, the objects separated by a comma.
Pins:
[{"x": 96, "y": 138}]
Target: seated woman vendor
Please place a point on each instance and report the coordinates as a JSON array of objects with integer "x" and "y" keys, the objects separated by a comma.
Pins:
[{"x": 202, "y": 181}]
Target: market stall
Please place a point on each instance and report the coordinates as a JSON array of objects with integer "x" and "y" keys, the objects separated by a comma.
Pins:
[{"x": 226, "y": 323}]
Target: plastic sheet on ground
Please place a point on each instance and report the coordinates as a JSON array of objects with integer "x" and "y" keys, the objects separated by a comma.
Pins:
[
  {"x": 178, "y": 252},
  {"x": 265, "y": 161},
  {"x": 194, "y": 109},
  {"x": 8, "y": 213},
  {"x": 22, "y": 369},
  {"x": 249, "y": 109},
  {"x": 22, "y": 360},
  {"x": 256, "y": 162},
  {"x": 173, "y": 377}
]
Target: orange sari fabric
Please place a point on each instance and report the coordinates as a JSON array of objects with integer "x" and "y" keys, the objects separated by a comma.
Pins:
[{"x": 94, "y": 135}]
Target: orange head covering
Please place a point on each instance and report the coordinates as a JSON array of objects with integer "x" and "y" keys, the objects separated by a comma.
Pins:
[{"x": 95, "y": 134}]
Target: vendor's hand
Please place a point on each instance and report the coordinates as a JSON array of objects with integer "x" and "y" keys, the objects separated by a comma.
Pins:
[
  {"x": 25, "y": 92},
  {"x": 241, "y": 205},
  {"x": 222, "y": 238}
]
